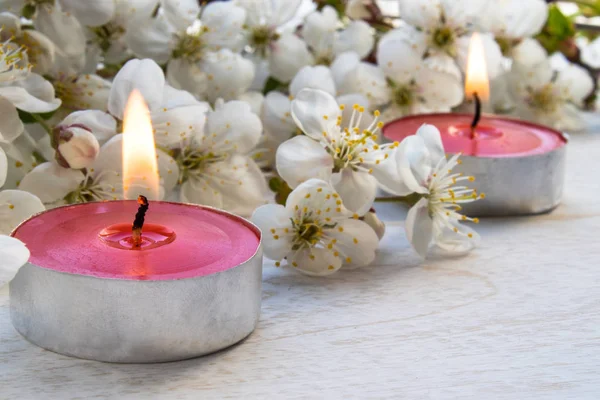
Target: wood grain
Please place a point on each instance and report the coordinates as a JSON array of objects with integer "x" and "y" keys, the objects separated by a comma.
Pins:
[{"x": 516, "y": 319}]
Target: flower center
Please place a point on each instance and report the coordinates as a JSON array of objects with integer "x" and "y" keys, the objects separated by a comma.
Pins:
[
  {"x": 324, "y": 59},
  {"x": 443, "y": 37},
  {"x": 12, "y": 59},
  {"x": 307, "y": 231},
  {"x": 403, "y": 96},
  {"x": 71, "y": 93},
  {"x": 91, "y": 190},
  {"x": 262, "y": 35},
  {"x": 194, "y": 162},
  {"x": 543, "y": 99},
  {"x": 107, "y": 34},
  {"x": 190, "y": 46}
]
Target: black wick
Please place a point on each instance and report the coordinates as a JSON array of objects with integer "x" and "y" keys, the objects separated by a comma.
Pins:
[
  {"x": 138, "y": 222},
  {"x": 477, "y": 112}
]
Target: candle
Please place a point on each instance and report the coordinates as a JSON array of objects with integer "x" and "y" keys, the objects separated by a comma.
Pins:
[
  {"x": 144, "y": 281},
  {"x": 518, "y": 165}
]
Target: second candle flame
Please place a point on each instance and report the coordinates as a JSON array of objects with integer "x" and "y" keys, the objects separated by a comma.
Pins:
[{"x": 140, "y": 167}]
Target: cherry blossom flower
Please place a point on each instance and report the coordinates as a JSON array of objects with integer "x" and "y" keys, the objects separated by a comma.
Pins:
[
  {"x": 269, "y": 40},
  {"x": 213, "y": 163},
  {"x": 550, "y": 97},
  {"x": 15, "y": 207},
  {"x": 440, "y": 30},
  {"x": 434, "y": 219},
  {"x": 347, "y": 155},
  {"x": 197, "y": 51},
  {"x": 327, "y": 39},
  {"x": 314, "y": 232},
  {"x": 400, "y": 85},
  {"x": 13, "y": 255}
]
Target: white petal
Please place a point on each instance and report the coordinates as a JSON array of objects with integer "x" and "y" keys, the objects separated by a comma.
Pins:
[
  {"x": 10, "y": 123},
  {"x": 288, "y": 54},
  {"x": 44, "y": 49},
  {"x": 317, "y": 194},
  {"x": 590, "y": 54},
  {"x": 234, "y": 127},
  {"x": 318, "y": 77},
  {"x": 274, "y": 216},
  {"x": 358, "y": 37},
  {"x": 249, "y": 188},
  {"x": 229, "y": 75},
  {"x": 176, "y": 98},
  {"x": 181, "y": 13},
  {"x": 438, "y": 91},
  {"x": 93, "y": 13},
  {"x": 153, "y": 38},
  {"x": 15, "y": 207},
  {"x": 168, "y": 170},
  {"x": 182, "y": 74},
  {"x": 33, "y": 94},
  {"x": 80, "y": 150},
  {"x": 254, "y": 99},
  {"x": 101, "y": 123},
  {"x": 319, "y": 29},
  {"x": 442, "y": 62},
  {"x": 276, "y": 116},
  {"x": 143, "y": 75},
  {"x": 323, "y": 261},
  {"x": 574, "y": 83},
  {"x": 13, "y": 255},
  {"x": 302, "y": 158},
  {"x": 343, "y": 64},
  {"x": 414, "y": 163},
  {"x": 176, "y": 124},
  {"x": 3, "y": 167},
  {"x": 456, "y": 243},
  {"x": 398, "y": 59},
  {"x": 420, "y": 13},
  {"x": 51, "y": 182},
  {"x": 433, "y": 140},
  {"x": 419, "y": 227},
  {"x": 315, "y": 112},
  {"x": 110, "y": 160},
  {"x": 62, "y": 28},
  {"x": 224, "y": 21},
  {"x": 529, "y": 52},
  {"x": 356, "y": 241},
  {"x": 515, "y": 19},
  {"x": 198, "y": 191},
  {"x": 388, "y": 177},
  {"x": 368, "y": 80},
  {"x": 357, "y": 189}
]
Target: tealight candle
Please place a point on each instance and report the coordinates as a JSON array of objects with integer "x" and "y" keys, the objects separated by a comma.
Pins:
[
  {"x": 518, "y": 165},
  {"x": 180, "y": 281}
]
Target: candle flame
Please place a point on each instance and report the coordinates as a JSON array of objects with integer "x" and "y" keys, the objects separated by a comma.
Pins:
[
  {"x": 476, "y": 80},
  {"x": 140, "y": 168}
]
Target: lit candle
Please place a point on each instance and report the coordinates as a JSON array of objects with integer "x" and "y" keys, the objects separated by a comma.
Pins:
[
  {"x": 518, "y": 165},
  {"x": 189, "y": 284}
]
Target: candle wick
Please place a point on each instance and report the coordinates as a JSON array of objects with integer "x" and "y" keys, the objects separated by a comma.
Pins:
[
  {"x": 477, "y": 116},
  {"x": 138, "y": 222}
]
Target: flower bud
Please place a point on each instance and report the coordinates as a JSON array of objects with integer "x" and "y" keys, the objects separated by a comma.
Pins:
[
  {"x": 375, "y": 223},
  {"x": 76, "y": 146}
]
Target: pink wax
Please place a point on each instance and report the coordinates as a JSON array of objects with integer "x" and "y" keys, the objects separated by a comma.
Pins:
[
  {"x": 494, "y": 136},
  {"x": 205, "y": 241}
]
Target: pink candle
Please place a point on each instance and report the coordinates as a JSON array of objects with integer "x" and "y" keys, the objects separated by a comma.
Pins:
[
  {"x": 180, "y": 241},
  {"x": 493, "y": 137}
]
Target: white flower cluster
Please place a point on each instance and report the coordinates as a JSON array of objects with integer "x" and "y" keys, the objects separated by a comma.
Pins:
[{"x": 243, "y": 93}]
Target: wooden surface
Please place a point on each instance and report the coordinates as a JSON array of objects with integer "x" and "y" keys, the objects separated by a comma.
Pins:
[{"x": 519, "y": 318}]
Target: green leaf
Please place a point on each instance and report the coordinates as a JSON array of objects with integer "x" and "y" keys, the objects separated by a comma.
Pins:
[
  {"x": 28, "y": 118},
  {"x": 280, "y": 188},
  {"x": 558, "y": 28}
]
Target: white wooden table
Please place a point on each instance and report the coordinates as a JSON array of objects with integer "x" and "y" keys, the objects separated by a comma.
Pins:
[{"x": 519, "y": 318}]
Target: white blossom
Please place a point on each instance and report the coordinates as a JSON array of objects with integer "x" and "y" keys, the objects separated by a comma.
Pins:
[
  {"x": 314, "y": 232},
  {"x": 13, "y": 255}
]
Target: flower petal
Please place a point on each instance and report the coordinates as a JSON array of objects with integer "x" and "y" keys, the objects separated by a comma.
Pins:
[
  {"x": 95, "y": 13},
  {"x": 357, "y": 189},
  {"x": 343, "y": 63},
  {"x": 315, "y": 195},
  {"x": 199, "y": 191},
  {"x": 414, "y": 163},
  {"x": 101, "y": 123},
  {"x": 181, "y": 13},
  {"x": 233, "y": 127},
  {"x": 143, "y": 75},
  {"x": 249, "y": 188},
  {"x": 356, "y": 241},
  {"x": 3, "y": 167},
  {"x": 318, "y": 77},
  {"x": 51, "y": 182},
  {"x": 315, "y": 112},
  {"x": 456, "y": 243},
  {"x": 15, "y": 207},
  {"x": 420, "y": 13},
  {"x": 368, "y": 80},
  {"x": 357, "y": 37},
  {"x": 152, "y": 38},
  {"x": 288, "y": 54},
  {"x": 438, "y": 90},
  {"x": 254, "y": 99},
  {"x": 276, "y": 116},
  {"x": 13, "y": 255},
  {"x": 62, "y": 28},
  {"x": 574, "y": 83},
  {"x": 172, "y": 126},
  {"x": 433, "y": 140},
  {"x": 302, "y": 158},
  {"x": 33, "y": 94},
  {"x": 419, "y": 227},
  {"x": 315, "y": 261},
  {"x": 277, "y": 217},
  {"x": 10, "y": 123},
  {"x": 224, "y": 21},
  {"x": 229, "y": 75}
]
